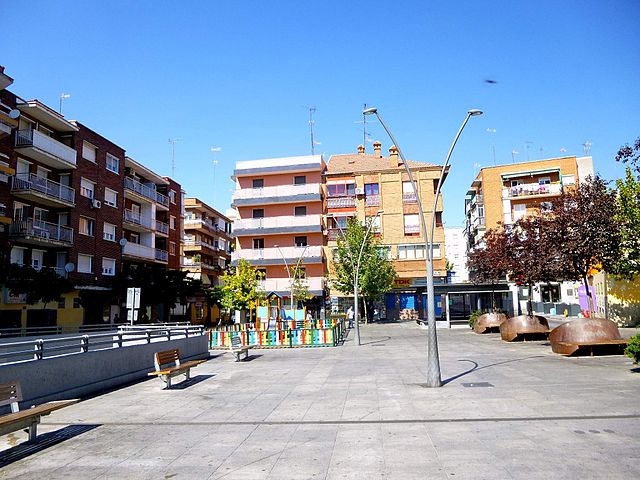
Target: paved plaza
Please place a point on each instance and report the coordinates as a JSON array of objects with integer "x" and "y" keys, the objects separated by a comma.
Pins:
[{"x": 507, "y": 411}]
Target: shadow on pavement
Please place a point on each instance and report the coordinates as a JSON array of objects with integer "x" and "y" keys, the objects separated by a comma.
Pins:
[
  {"x": 383, "y": 339},
  {"x": 44, "y": 441},
  {"x": 476, "y": 368},
  {"x": 192, "y": 381}
]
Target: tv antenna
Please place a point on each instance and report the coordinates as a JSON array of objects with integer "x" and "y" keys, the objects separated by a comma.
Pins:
[
  {"x": 586, "y": 147},
  {"x": 514, "y": 152},
  {"x": 492, "y": 131},
  {"x": 63, "y": 97},
  {"x": 527, "y": 145},
  {"x": 312, "y": 110},
  {"x": 215, "y": 151},
  {"x": 173, "y": 141},
  {"x": 563, "y": 150},
  {"x": 366, "y": 136}
]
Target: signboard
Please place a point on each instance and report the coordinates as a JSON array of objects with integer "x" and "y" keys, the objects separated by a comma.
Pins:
[
  {"x": 133, "y": 298},
  {"x": 415, "y": 282},
  {"x": 132, "y": 316}
]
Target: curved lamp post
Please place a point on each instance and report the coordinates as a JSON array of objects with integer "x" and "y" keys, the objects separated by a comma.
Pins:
[
  {"x": 289, "y": 270},
  {"x": 356, "y": 272},
  {"x": 433, "y": 362}
]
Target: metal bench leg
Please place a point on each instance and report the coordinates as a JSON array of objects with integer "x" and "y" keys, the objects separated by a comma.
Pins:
[
  {"x": 33, "y": 431},
  {"x": 167, "y": 380},
  {"x": 188, "y": 374}
]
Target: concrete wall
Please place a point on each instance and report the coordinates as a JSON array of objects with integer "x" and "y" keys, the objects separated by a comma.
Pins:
[{"x": 82, "y": 374}]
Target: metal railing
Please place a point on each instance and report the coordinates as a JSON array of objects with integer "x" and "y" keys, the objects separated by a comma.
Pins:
[
  {"x": 162, "y": 255},
  {"x": 43, "y": 230},
  {"x": 31, "y": 350},
  {"x": 341, "y": 202},
  {"x": 372, "y": 200},
  {"x": 146, "y": 191},
  {"x": 529, "y": 189},
  {"x": 162, "y": 227},
  {"x": 32, "y": 182},
  {"x": 135, "y": 218}
]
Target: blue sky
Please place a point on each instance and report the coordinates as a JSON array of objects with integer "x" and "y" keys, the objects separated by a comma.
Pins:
[{"x": 240, "y": 76}]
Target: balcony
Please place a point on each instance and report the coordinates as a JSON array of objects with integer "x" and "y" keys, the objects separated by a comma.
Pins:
[
  {"x": 45, "y": 149},
  {"x": 41, "y": 233},
  {"x": 372, "y": 201},
  {"x": 197, "y": 245},
  {"x": 162, "y": 227},
  {"x": 277, "y": 225},
  {"x": 161, "y": 255},
  {"x": 272, "y": 256},
  {"x": 532, "y": 190},
  {"x": 145, "y": 191},
  {"x": 144, "y": 252},
  {"x": 333, "y": 234},
  {"x": 31, "y": 187},
  {"x": 409, "y": 198},
  {"x": 186, "y": 264},
  {"x": 277, "y": 194},
  {"x": 341, "y": 202},
  {"x": 283, "y": 285},
  {"x": 135, "y": 221},
  {"x": 201, "y": 224},
  {"x": 7, "y": 124}
]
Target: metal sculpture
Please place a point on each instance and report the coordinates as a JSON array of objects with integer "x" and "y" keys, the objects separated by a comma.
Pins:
[
  {"x": 489, "y": 322},
  {"x": 586, "y": 334},
  {"x": 523, "y": 326}
]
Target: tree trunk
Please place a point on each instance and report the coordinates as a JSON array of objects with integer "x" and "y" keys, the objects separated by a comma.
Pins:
[
  {"x": 589, "y": 298},
  {"x": 493, "y": 298},
  {"x": 530, "y": 301}
]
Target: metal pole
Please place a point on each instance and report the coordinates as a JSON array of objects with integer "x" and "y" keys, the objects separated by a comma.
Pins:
[
  {"x": 434, "y": 378},
  {"x": 296, "y": 271},
  {"x": 288, "y": 273}
]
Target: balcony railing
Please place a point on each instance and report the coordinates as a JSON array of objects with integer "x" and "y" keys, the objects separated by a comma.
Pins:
[
  {"x": 199, "y": 223},
  {"x": 200, "y": 243},
  {"x": 409, "y": 198},
  {"x": 532, "y": 189},
  {"x": 139, "y": 251},
  {"x": 276, "y": 191},
  {"x": 341, "y": 202},
  {"x": 333, "y": 234},
  {"x": 161, "y": 255},
  {"x": 372, "y": 200},
  {"x": 162, "y": 227},
  {"x": 284, "y": 284},
  {"x": 33, "y": 183},
  {"x": 41, "y": 230},
  {"x": 291, "y": 253},
  {"x": 33, "y": 138},
  {"x": 282, "y": 222},
  {"x": 146, "y": 191},
  {"x": 135, "y": 218}
]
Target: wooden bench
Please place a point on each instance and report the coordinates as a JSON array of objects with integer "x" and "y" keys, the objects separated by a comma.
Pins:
[
  {"x": 569, "y": 348},
  {"x": 11, "y": 394},
  {"x": 168, "y": 365},
  {"x": 237, "y": 348}
]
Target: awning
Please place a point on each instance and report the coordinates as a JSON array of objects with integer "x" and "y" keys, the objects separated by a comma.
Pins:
[{"x": 531, "y": 173}]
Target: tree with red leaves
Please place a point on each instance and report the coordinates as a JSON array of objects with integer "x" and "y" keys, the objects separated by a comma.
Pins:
[
  {"x": 489, "y": 263},
  {"x": 631, "y": 155}
]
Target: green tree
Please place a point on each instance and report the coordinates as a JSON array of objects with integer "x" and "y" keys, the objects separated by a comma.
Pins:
[
  {"x": 627, "y": 264},
  {"x": 377, "y": 278},
  {"x": 299, "y": 286},
  {"x": 43, "y": 285},
  {"x": 241, "y": 288}
]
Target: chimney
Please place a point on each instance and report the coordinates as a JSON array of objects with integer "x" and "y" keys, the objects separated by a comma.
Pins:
[
  {"x": 393, "y": 155},
  {"x": 360, "y": 148},
  {"x": 377, "y": 148}
]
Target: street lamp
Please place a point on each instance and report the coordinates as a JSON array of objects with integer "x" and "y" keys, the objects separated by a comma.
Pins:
[
  {"x": 289, "y": 270},
  {"x": 433, "y": 362},
  {"x": 356, "y": 271}
]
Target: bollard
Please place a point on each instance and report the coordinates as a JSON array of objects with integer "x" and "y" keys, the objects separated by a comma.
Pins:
[{"x": 85, "y": 343}]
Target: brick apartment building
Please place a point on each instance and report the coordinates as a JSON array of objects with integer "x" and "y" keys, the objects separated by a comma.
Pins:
[
  {"x": 66, "y": 197},
  {"x": 360, "y": 185}
]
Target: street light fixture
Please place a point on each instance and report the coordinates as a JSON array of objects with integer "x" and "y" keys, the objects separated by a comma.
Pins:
[
  {"x": 433, "y": 362},
  {"x": 356, "y": 271}
]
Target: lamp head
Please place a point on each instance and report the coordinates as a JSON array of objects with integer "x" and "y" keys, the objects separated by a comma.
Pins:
[
  {"x": 370, "y": 111},
  {"x": 475, "y": 112}
]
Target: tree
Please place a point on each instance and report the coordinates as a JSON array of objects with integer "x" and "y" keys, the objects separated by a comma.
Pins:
[
  {"x": 627, "y": 264},
  {"x": 631, "y": 155},
  {"x": 586, "y": 234},
  {"x": 490, "y": 263},
  {"x": 377, "y": 278},
  {"x": 43, "y": 285},
  {"x": 241, "y": 288},
  {"x": 299, "y": 286}
]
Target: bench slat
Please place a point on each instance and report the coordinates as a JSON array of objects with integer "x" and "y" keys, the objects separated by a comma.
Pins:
[
  {"x": 183, "y": 367},
  {"x": 40, "y": 410}
]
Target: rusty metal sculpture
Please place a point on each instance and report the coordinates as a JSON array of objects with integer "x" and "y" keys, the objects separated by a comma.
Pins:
[
  {"x": 585, "y": 334},
  {"x": 489, "y": 322},
  {"x": 524, "y": 326}
]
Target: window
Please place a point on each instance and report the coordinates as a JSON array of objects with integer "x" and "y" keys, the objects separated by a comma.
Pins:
[
  {"x": 37, "y": 259},
  {"x": 113, "y": 163},
  {"x": 300, "y": 180},
  {"x": 258, "y": 183},
  {"x": 86, "y": 188},
  {"x": 435, "y": 185},
  {"x": 134, "y": 238},
  {"x": 258, "y": 213},
  {"x": 341, "y": 189},
  {"x": 111, "y": 197},
  {"x": 87, "y": 226},
  {"x": 108, "y": 266},
  {"x": 61, "y": 303},
  {"x": 258, "y": 243},
  {"x": 88, "y": 152},
  {"x": 85, "y": 263},
  {"x": 436, "y": 250},
  {"x": 544, "y": 181},
  {"x": 410, "y": 252},
  {"x": 568, "y": 179},
  {"x": 172, "y": 222},
  {"x": 76, "y": 302},
  {"x": 519, "y": 211},
  {"x": 438, "y": 219},
  {"x": 376, "y": 223},
  {"x": 371, "y": 189},
  {"x": 109, "y": 232},
  {"x": 300, "y": 211},
  {"x": 301, "y": 241},
  {"x": 172, "y": 196},
  {"x": 412, "y": 224},
  {"x": 261, "y": 273},
  {"x": 172, "y": 248}
]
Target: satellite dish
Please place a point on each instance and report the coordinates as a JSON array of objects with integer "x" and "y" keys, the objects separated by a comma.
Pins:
[
  {"x": 14, "y": 113},
  {"x": 122, "y": 242},
  {"x": 69, "y": 267}
]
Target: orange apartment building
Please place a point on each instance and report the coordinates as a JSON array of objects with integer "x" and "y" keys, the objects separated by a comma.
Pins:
[
  {"x": 507, "y": 193},
  {"x": 360, "y": 185},
  {"x": 279, "y": 203}
]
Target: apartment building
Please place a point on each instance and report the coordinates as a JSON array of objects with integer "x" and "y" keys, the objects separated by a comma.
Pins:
[
  {"x": 280, "y": 221},
  {"x": 361, "y": 185},
  {"x": 506, "y": 193},
  {"x": 207, "y": 242},
  {"x": 456, "y": 246}
]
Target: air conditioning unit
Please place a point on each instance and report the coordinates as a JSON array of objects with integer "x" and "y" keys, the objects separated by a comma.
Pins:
[
  {"x": 96, "y": 203},
  {"x": 359, "y": 191}
]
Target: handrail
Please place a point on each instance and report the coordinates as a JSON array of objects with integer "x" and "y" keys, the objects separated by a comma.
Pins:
[
  {"x": 43, "y": 348},
  {"x": 32, "y": 182}
]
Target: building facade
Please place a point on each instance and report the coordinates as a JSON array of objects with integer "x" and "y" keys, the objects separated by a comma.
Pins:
[
  {"x": 362, "y": 185},
  {"x": 279, "y": 203},
  {"x": 456, "y": 248}
]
